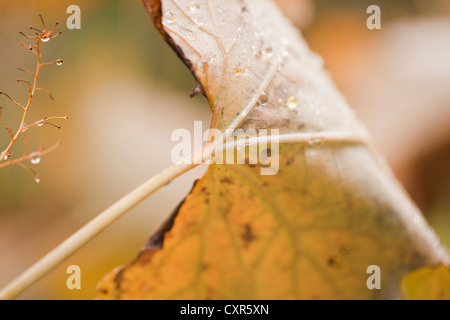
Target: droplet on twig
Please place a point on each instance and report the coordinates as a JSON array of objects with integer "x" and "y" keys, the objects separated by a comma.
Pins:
[
  {"x": 316, "y": 141},
  {"x": 25, "y": 127},
  {"x": 35, "y": 160},
  {"x": 262, "y": 100}
]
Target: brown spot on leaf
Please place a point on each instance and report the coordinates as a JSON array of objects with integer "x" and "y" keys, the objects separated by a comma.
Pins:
[
  {"x": 335, "y": 262},
  {"x": 345, "y": 249},
  {"x": 205, "y": 191},
  {"x": 247, "y": 236},
  {"x": 226, "y": 180}
]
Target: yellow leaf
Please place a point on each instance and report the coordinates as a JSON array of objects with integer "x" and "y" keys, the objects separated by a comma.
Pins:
[
  {"x": 428, "y": 283},
  {"x": 310, "y": 231},
  {"x": 238, "y": 235}
]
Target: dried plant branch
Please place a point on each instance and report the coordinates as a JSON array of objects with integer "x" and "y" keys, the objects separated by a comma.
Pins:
[
  {"x": 43, "y": 35},
  {"x": 4, "y": 125},
  {"x": 129, "y": 201},
  {"x": 136, "y": 196}
]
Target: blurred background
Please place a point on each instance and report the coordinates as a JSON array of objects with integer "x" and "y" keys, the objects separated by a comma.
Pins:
[{"x": 125, "y": 92}]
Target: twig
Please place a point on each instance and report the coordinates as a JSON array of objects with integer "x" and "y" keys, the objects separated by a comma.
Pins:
[
  {"x": 132, "y": 199},
  {"x": 90, "y": 230},
  {"x": 5, "y": 155}
]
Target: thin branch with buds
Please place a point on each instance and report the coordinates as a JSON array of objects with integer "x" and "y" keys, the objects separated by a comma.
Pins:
[{"x": 6, "y": 159}]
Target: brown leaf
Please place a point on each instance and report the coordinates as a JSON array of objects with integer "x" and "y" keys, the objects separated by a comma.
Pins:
[{"x": 309, "y": 231}]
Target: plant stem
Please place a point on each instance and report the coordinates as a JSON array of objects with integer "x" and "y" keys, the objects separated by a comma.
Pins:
[
  {"x": 30, "y": 99},
  {"x": 90, "y": 230},
  {"x": 129, "y": 201}
]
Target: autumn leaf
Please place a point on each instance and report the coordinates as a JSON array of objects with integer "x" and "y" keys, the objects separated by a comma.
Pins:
[
  {"x": 427, "y": 283},
  {"x": 309, "y": 231}
]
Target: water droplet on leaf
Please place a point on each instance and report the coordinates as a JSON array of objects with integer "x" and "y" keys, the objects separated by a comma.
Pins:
[
  {"x": 201, "y": 66},
  {"x": 267, "y": 52},
  {"x": 316, "y": 141},
  {"x": 292, "y": 102},
  {"x": 171, "y": 20},
  {"x": 263, "y": 99},
  {"x": 194, "y": 7},
  {"x": 199, "y": 23}
]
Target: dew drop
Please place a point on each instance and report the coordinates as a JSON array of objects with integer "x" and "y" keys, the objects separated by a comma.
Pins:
[
  {"x": 267, "y": 52},
  {"x": 37, "y": 179},
  {"x": 237, "y": 71},
  {"x": 194, "y": 7},
  {"x": 59, "y": 62},
  {"x": 292, "y": 102},
  {"x": 316, "y": 141},
  {"x": 262, "y": 100},
  {"x": 40, "y": 123},
  {"x": 6, "y": 157},
  {"x": 35, "y": 160},
  {"x": 199, "y": 23},
  {"x": 25, "y": 127},
  {"x": 171, "y": 20},
  {"x": 45, "y": 39},
  {"x": 201, "y": 66}
]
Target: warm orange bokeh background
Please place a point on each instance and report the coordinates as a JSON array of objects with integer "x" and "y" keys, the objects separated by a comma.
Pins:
[{"x": 125, "y": 92}]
